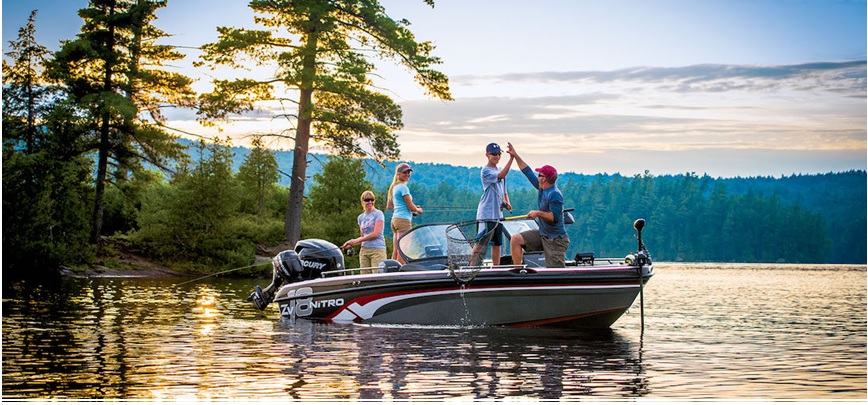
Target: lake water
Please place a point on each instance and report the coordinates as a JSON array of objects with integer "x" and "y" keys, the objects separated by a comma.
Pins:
[{"x": 712, "y": 331}]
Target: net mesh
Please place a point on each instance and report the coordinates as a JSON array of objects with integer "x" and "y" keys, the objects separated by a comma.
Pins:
[{"x": 466, "y": 244}]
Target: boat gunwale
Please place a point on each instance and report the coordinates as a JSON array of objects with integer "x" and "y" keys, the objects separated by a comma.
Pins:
[{"x": 498, "y": 275}]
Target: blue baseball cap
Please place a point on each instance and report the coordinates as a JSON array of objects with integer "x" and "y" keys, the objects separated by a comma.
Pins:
[{"x": 492, "y": 148}]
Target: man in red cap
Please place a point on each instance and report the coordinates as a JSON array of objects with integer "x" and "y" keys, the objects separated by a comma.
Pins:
[{"x": 551, "y": 237}]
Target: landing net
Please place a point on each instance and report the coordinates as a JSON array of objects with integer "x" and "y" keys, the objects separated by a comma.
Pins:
[{"x": 466, "y": 245}]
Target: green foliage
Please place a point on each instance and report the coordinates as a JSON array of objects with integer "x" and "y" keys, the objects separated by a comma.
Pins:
[
  {"x": 44, "y": 174},
  {"x": 195, "y": 220},
  {"x": 108, "y": 71},
  {"x": 687, "y": 219},
  {"x": 124, "y": 202},
  {"x": 256, "y": 177},
  {"x": 44, "y": 225},
  {"x": 685, "y": 222}
]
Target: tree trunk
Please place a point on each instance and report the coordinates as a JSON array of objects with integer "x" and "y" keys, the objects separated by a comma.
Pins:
[
  {"x": 104, "y": 146},
  {"x": 101, "y": 170},
  {"x": 292, "y": 226}
]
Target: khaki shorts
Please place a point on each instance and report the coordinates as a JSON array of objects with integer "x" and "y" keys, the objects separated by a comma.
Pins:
[
  {"x": 554, "y": 249},
  {"x": 371, "y": 257},
  {"x": 400, "y": 225}
]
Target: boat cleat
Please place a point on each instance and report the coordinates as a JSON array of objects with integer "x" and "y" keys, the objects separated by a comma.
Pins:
[{"x": 523, "y": 270}]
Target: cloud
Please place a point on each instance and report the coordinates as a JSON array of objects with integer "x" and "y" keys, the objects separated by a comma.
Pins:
[
  {"x": 842, "y": 77},
  {"x": 690, "y": 115}
]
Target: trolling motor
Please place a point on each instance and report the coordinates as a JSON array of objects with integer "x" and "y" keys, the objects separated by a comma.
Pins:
[
  {"x": 309, "y": 260},
  {"x": 641, "y": 257}
]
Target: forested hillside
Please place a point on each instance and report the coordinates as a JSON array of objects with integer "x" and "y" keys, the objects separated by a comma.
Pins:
[{"x": 798, "y": 218}]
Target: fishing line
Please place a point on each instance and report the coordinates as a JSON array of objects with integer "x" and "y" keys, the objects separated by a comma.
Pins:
[
  {"x": 245, "y": 267},
  {"x": 219, "y": 273}
]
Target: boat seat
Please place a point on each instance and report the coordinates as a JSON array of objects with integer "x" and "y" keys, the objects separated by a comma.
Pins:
[{"x": 531, "y": 259}]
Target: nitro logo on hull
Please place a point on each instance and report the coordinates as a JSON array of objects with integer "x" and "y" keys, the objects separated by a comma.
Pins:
[
  {"x": 313, "y": 265},
  {"x": 305, "y": 304}
]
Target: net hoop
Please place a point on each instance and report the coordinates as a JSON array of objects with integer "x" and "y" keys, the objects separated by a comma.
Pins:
[{"x": 466, "y": 244}]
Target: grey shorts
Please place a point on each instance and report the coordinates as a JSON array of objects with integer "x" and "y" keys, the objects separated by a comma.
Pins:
[{"x": 555, "y": 249}]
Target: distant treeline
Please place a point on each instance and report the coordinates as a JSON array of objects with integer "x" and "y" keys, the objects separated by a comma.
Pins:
[
  {"x": 685, "y": 220},
  {"x": 813, "y": 218}
]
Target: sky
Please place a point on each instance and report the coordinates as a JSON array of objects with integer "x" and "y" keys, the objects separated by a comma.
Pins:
[{"x": 720, "y": 87}]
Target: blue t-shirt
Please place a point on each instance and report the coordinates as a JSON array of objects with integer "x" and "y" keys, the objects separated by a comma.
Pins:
[
  {"x": 401, "y": 209},
  {"x": 367, "y": 222},
  {"x": 492, "y": 194},
  {"x": 548, "y": 200}
]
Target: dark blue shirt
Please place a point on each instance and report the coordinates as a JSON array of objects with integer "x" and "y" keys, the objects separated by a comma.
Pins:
[{"x": 548, "y": 200}]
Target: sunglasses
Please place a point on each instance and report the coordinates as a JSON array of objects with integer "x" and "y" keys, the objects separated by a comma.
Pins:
[
  {"x": 368, "y": 200},
  {"x": 496, "y": 154},
  {"x": 540, "y": 175}
]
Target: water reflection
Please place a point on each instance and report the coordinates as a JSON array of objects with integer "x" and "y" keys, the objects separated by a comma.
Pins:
[
  {"x": 727, "y": 333},
  {"x": 125, "y": 338},
  {"x": 329, "y": 361}
]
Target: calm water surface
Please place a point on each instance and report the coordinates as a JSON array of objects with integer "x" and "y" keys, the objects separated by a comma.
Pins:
[{"x": 712, "y": 331}]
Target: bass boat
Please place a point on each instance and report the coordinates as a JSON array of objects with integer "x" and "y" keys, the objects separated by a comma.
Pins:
[{"x": 444, "y": 283}]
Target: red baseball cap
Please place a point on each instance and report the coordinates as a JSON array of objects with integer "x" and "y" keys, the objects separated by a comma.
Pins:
[
  {"x": 403, "y": 168},
  {"x": 548, "y": 171}
]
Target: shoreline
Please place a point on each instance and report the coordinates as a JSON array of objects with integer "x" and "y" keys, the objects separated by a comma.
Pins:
[{"x": 133, "y": 265}]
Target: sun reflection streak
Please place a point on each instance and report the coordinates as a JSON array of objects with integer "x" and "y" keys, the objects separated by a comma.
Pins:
[{"x": 206, "y": 311}]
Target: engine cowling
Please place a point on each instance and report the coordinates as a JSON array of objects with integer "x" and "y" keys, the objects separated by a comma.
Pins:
[{"x": 317, "y": 256}]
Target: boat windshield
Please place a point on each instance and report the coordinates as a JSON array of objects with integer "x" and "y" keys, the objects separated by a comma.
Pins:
[
  {"x": 429, "y": 241},
  {"x": 423, "y": 242}
]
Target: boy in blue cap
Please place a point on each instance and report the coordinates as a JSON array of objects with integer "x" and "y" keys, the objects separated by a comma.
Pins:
[{"x": 494, "y": 199}]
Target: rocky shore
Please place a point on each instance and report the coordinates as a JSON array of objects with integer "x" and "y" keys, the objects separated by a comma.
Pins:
[{"x": 126, "y": 262}]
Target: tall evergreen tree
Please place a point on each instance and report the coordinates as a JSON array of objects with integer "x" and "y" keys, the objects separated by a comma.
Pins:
[
  {"x": 25, "y": 95},
  {"x": 112, "y": 71},
  {"x": 257, "y": 177},
  {"x": 323, "y": 66},
  {"x": 44, "y": 176}
]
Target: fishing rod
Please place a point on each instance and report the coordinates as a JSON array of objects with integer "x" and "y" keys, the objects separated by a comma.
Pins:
[
  {"x": 525, "y": 215},
  {"x": 219, "y": 273}
]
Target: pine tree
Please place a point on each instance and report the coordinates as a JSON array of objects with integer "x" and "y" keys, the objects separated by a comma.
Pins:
[
  {"x": 25, "y": 96},
  {"x": 257, "y": 177},
  {"x": 327, "y": 69},
  {"x": 43, "y": 173},
  {"x": 107, "y": 73}
]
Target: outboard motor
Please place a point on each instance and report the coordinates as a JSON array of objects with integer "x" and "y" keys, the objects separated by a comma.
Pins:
[
  {"x": 317, "y": 256},
  {"x": 309, "y": 260}
]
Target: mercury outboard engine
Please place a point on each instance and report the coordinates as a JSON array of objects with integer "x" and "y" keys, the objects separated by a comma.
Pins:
[
  {"x": 317, "y": 256},
  {"x": 309, "y": 260}
]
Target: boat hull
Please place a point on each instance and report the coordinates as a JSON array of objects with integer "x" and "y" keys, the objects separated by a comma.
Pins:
[{"x": 578, "y": 297}]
